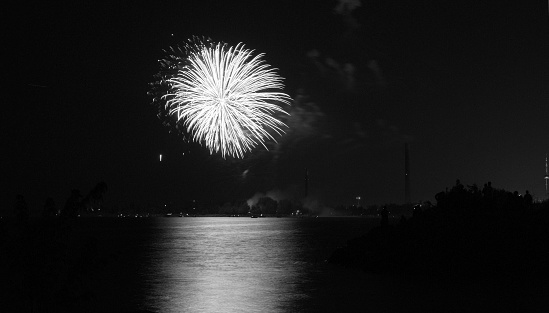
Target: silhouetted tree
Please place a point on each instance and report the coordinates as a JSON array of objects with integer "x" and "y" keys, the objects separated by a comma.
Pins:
[
  {"x": 227, "y": 208},
  {"x": 73, "y": 205},
  {"x": 528, "y": 201},
  {"x": 285, "y": 207},
  {"x": 94, "y": 200},
  {"x": 452, "y": 241},
  {"x": 242, "y": 208},
  {"x": 267, "y": 205},
  {"x": 49, "y": 208},
  {"x": 384, "y": 217},
  {"x": 255, "y": 210}
]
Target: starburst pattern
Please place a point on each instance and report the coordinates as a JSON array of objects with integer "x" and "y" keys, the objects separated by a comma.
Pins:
[{"x": 227, "y": 98}]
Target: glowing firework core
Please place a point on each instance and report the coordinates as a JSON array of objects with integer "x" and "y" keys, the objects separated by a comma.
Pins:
[{"x": 224, "y": 95}]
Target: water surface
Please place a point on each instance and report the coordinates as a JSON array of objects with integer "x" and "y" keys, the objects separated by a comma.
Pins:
[
  {"x": 216, "y": 264},
  {"x": 224, "y": 264}
]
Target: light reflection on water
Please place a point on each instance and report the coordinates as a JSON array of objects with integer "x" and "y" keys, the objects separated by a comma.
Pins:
[
  {"x": 257, "y": 265},
  {"x": 239, "y": 264}
]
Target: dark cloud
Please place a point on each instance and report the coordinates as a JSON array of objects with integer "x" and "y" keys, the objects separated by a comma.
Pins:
[{"x": 347, "y": 6}]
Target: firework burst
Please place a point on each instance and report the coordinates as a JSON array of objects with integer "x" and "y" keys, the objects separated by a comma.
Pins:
[
  {"x": 227, "y": 98},
  {"x": 172, "y": 62}
]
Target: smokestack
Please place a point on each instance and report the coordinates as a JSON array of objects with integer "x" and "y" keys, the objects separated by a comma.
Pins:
[
  {"x": 306, "y": 182},
  {"x": 406, "y": 174}
]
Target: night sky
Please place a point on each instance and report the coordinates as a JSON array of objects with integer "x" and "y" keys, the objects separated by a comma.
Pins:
[{"x": 465, "y": 83}]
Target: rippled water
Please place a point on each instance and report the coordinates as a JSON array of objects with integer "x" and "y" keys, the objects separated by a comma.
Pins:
[
  {"x": 252, "y": 265},
  {"x": 239, "y": 264},
  {"x": 229, "y": 264}
]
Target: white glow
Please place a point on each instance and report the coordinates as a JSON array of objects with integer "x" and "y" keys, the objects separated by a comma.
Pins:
[{"x": 226, "y": 100}]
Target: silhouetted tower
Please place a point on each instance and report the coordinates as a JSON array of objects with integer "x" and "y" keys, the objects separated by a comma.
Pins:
[
  {"x": 406, "y": 174},
  {"x": 546, "y": 176},
  {"x": 306, "y": 182}
]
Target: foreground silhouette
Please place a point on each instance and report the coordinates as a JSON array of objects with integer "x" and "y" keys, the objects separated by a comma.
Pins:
[
  {"x": 472, "y": 235},
  {"x": 46, "y": 263}
]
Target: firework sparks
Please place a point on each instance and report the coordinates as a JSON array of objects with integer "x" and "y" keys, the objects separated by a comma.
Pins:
[{"x": 227, "y": 98}]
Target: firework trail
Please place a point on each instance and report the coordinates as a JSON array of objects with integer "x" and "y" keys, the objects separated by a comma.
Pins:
[{"x": 224, "y": 96}]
